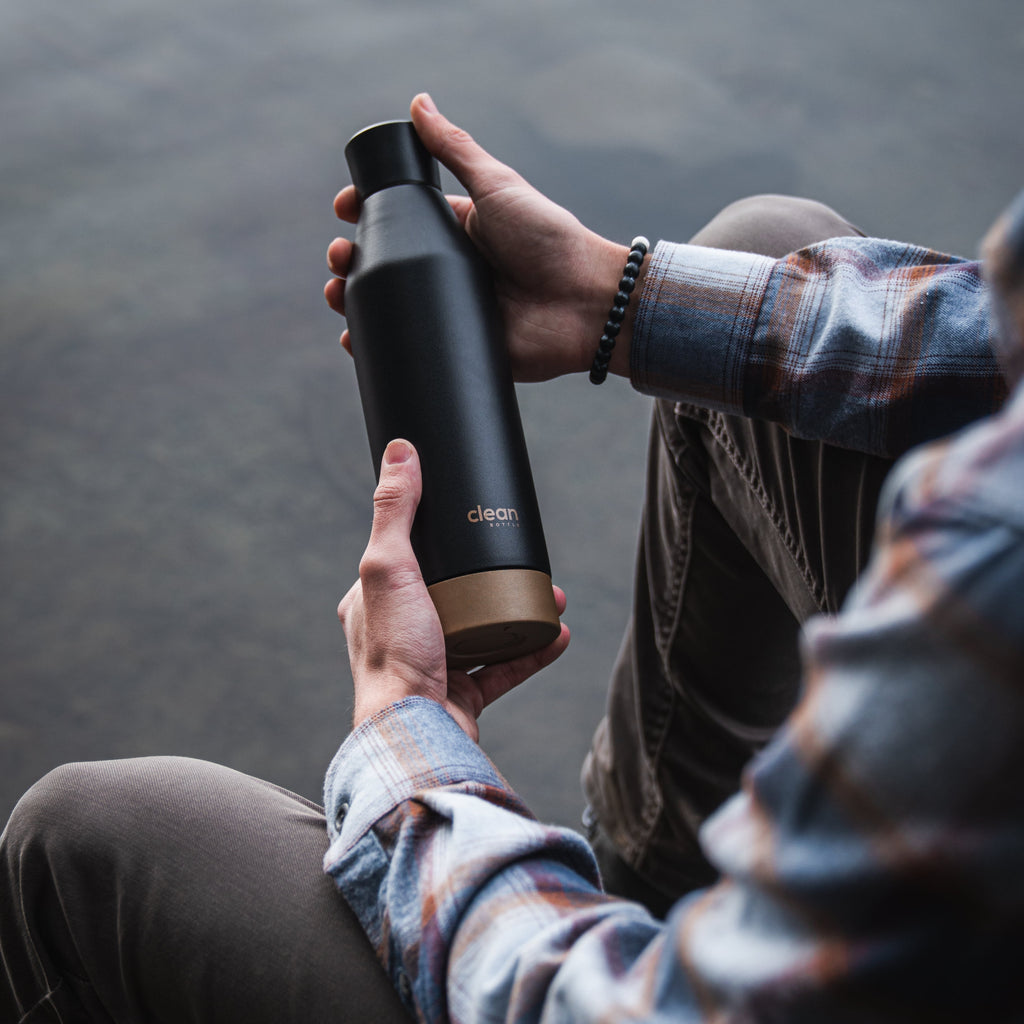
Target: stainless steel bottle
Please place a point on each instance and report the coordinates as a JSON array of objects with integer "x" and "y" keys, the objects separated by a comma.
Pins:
[{"x": 432, "y": 367}]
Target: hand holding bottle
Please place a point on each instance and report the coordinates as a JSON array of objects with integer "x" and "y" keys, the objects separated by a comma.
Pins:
[
  {"x": 554, "y": 277},
  {"x": 395, "y": 644}
]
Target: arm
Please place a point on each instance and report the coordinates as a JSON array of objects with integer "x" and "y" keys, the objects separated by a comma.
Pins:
[{"x": 868, "y": 344}]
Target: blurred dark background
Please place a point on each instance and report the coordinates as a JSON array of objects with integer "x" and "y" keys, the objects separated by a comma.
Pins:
[{"x": 184, "y": 477}]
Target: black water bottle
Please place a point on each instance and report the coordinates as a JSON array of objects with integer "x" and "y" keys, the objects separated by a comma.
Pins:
[{"x": 433, "y": 368}]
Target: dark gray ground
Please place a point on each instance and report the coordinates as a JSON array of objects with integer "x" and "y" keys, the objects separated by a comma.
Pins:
[{"x": 184, "y": 478}]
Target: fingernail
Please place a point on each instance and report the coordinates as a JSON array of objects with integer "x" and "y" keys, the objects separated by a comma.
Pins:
[
  {"x": 427, "y": 103},
  {"x": 397, "y": 452}
]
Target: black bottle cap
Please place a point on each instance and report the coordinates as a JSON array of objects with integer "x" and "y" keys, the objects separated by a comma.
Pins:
[{"x": 388, "y": 154}]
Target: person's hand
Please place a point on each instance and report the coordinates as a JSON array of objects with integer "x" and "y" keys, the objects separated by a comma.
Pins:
[
  {"x": 555, "y": 279},
  {"x": 395, "y": 644}
]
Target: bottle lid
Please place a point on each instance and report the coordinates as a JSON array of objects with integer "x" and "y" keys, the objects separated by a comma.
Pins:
[{"x": 389, "y": 153}]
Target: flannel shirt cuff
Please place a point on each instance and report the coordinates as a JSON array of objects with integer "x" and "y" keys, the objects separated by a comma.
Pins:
[
  {"x": 408, "y": 747},
  {"x": 695, "y": 324}
]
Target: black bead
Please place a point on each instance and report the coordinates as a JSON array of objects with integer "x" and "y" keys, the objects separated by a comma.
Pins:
[
  {"x": 631, "y": 270},
  {"x": 622, "y": 299},
  {"x": 617, "y": 314},
  {"x": 627, "y": 284},
  {"x": 612, "y": 329},
  {"x": 606, "y": 344}
]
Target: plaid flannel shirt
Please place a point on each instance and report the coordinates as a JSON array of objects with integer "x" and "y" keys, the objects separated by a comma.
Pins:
[{"x": 872, "y": 862}]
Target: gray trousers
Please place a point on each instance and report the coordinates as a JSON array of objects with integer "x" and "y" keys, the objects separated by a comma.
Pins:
[
  {"x": 746, "y": 533},
  {"x": 172, "y": 890}
]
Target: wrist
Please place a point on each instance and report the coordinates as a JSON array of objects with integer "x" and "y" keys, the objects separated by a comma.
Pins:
[{"x": 603, "y": 261}]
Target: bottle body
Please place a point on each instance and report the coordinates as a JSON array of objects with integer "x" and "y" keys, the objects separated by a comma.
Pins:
[{"x": 432, "y": 367}]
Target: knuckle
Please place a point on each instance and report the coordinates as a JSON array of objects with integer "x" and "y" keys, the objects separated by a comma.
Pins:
[
  {"x": 458, "y": 150},
  {"x": 373, "y": 567},
  {"x": 385, "y": 569},
  {"x": 457, "y": 138},
  {"x": 387, "y": 496}
]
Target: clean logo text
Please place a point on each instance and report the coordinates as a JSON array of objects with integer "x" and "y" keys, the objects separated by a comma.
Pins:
[{"x": 505, "y": 516}]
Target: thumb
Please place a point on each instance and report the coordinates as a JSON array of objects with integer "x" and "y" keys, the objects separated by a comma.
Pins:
[
  {"x": 478, "y": 172},
  {"x": 395, "y": 501}
]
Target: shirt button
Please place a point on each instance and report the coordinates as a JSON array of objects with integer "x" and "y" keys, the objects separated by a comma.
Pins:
[
  {"x": 339, "y": 815},
  {"x": 405, "y": 987}
]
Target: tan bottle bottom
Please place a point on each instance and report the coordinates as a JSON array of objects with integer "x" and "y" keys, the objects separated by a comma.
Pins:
[{"x": 495, "y": 616}]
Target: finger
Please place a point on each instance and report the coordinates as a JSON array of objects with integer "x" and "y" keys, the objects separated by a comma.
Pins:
[
  {"x": 346, "y": 204},
  {"x": 339, "y": 256},
  {"x": 495, "y": 681},
  {"x": 478, "y": 172},
  {"x": 334, "y": 293},
  {"x": 346, "y": 341},
  {"x": 398, "y": 490},
  {"x": 462, "y": 205},
  {"x": 389, "y": 561}
]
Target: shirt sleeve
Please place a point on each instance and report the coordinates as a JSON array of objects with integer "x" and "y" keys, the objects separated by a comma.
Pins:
[
  {"x": 430, "y": 847},
  {"x": 867, "y": 344},
  {"x": 871, "y": 863}
]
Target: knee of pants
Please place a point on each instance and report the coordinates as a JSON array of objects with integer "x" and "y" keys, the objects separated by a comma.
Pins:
[
  {"x": 772, "y": 209},
  {"x": 89, "y": 802},
  {"x": 773, "y": 225},
  {"x": 51, "y": 807}
]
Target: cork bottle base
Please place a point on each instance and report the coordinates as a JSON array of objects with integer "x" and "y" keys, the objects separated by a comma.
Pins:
[{"x": 495, "y": 616}]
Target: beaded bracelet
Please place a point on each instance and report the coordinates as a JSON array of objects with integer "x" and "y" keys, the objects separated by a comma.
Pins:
[{"x": 637, "y": 251}]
